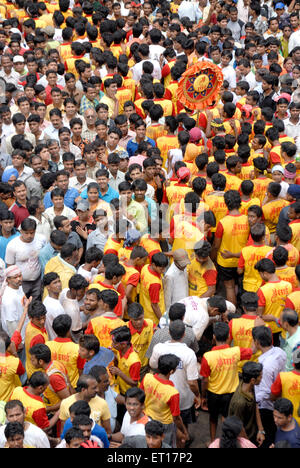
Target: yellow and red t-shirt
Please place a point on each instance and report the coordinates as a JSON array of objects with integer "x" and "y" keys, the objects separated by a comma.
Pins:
[
  {"x": 241, "y": 334},
  {"x": 152, "y": 246},
  {"x": 271, "y": 211},
  {"x": 288, "y": 274},
  {"x": 65, "y": 351},
  {"x": 234, "y": 232},
  {"x": 293, "y": 301},
  {"x": 151, "y": 292},
  {"x": 232, "y": 181},
  {"x": 246, "y": 171},
  {"x": 287, "y": 385},
  {"x": 10, "y": 367},
  {"x": 162, "y": 398},
  {"x": 220, "y": 367},
  {"x": 295, "y": 227},
  {"x": 130, "y": 364},
  {"x": 120, "y": 291},
  {"x": 102, "y": 326},
  {"x": 155, "y": 131},
  {"x": 58, "y": 381},
  {"x": 249, "y": 257},
  {"x": 141, "y": 339},
  {"x": 272, "y": 297},
  {"x": 35, "y": 408},
  {"x": 113, "y": 245},
  {"x": 245, "y": 204},
  {"x": 166, "y": 143},
  {"x": 260, "y": 187},
  {"x": 33, "y": 336},
  {"x": 217, "y": 205},
  {"x": 201, "y": 276}
]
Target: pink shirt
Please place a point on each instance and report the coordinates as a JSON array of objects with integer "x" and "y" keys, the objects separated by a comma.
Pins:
[
  {"x": 244, "y": 443},
  {"x": 139, "y": 159}
]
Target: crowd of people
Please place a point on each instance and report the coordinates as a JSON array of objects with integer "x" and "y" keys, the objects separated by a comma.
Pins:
[{"x": 149, "y": 253}]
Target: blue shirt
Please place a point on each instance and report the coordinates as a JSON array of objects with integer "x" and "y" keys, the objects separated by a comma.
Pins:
[
  {"x": 103, "y": 358},
  {"x": 45, "y": 254},
  {"x": 97, "y": 431},
  {"x": 107, "y": 197},
  {"x": 293, "y": 437},
  {"x": 132, "y": 145},
  {"x": 69, "y": 198},
  {"x": 4, "y": 242}
]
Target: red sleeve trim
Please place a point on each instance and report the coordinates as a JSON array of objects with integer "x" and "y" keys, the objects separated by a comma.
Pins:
[
  {"x": 38, "y": 339},
  {"x": 219, "y": 231},
  {"x": 246, "y": 354},
  {"x": 210, "y": 277},
  {"x": 154, "y": 290},
  {"x": 57, "y": 382},
  {"x": 174, "y": 405},
  {"x": 205, "y": 369},
  {"x": 276, "y": 387},
  {"x": 41, "y": 419},
  {"x": 134, "y": 371}
]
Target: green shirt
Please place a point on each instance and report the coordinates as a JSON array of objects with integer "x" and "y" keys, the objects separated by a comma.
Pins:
[{"x": 243, "y": 405}]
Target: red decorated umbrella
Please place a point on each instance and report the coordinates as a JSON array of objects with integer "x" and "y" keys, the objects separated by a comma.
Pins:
[{"x": 200, "y": 85}]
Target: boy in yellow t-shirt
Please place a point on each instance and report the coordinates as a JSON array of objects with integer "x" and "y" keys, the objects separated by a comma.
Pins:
[
  {"x": 141, "y": 330},
  {"x": 202, "y": 274}
]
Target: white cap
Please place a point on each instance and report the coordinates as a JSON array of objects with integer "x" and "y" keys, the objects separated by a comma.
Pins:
[{"x": 18, "y": 59}]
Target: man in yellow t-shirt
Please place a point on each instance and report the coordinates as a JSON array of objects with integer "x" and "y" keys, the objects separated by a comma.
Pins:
[
  {"x": 87, "y": 388},
  {"x": 127, "y": 362},
  {"x": 151, "y": 289},
  {"x": 202, "y": 273},
  {"x": 273, "y": 206},
  {"x": 219, "y": 369},
  {"x": 249, "y": 257},
  {"x": 272, "y": 295},
  {"x": 231, "y": 236}
]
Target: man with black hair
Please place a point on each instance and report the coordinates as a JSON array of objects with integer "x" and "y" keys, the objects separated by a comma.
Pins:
[
  {"x": 202, "y": 274},
  {"x": 273, "y": 360},
  {"x": 93, "y": 353},
  {"x": 154, "y": 438},
  {"x": 30, "y": 397},
  {"x": 185, "y": 378},
  {"x": 59, "y": 386},
  {"x": 243, "y": 403},
  {"x": 271, "y": 295},
  {"x": 220, "y": 380},
  {"x": 64, "y": 350},
  {"x": 87, "y": 390},
  {"x": 287, "y": 427},
  {"x": 127, "y": 362},
  {"x": 287, "y": 385}
]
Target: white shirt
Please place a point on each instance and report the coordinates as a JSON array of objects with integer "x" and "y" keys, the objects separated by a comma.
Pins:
[
  {"x": 293, "y": 131},
  {"x": 129, "y": 429},
  {"x": 74, "y": 183},
  {"x": 196, "y": 314},
  {"x": 72, "y": 308},
  {"x": 186, "y": 370},
  {"x": 42, "y": 227},
  {"x": 88, "y": 275},
  {"x": 230, "y": 76},
  {"x": 156, "y": 51},
  {"x": 68, "y": 212},
  {"x": 25, "y": 256},
  {"x": 34, "y": 437},
  {"x": 137, "y": 70},
  {"x": 176, "y": 285},
  {"x": 294, "y": 40},
  {"x": 27, "y": 171},
  {"x": 54, "y": 308},
  {"x": 12, "y": 310}
]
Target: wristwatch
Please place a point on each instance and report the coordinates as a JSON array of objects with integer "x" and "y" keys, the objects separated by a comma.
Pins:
[{"x": 262, "y": 432}]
